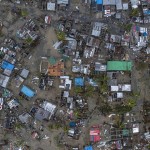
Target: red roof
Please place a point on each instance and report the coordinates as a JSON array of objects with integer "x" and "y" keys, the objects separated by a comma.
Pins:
[
  {"x": 47, "y": 19},
  {"x": 95, "y": 134}
]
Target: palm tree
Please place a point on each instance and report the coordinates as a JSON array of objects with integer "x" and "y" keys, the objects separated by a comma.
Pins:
[
  {"x": 89, "y": 91},
  {"x": 102, "y": 82}
]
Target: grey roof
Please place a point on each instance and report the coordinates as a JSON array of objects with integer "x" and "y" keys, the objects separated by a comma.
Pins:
[
  {"x": 89, "y": 41},
  {"x": 109, "y": 2},
  {"x": 97, "y": 26},
  {"x": 119, "y": 4},
  {"x": 118, "y": 15},
  {"x": 3, "y": 80},
  {"x": 115, "y": 38},
  {"x": 62, "y": 2},
  {"x": 42, "y": 114},
  {"x": 49, "y": 107},
  {"x": 24, "y": 73},
  {"x": 51, "y": 6},
  {"x": 125, "y": 6},
  {"x": 24, "y": 118},
  {"x": 72, "y": 43},
  {"x": 112, "y": 82},
  {"x": 100, "y": 67}
]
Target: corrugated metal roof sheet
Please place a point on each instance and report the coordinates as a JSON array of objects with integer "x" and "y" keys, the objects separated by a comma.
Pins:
[
  {"x": 109, "y": 2},
  {"x": 99, "y": 2},
  {"x": 119, "y": 66},
  {"x": 62, "y": 2},
  {"x": 27, "y": 91}
]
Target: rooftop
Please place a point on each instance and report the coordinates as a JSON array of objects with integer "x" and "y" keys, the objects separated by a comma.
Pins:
[
  {"x": 119, "y": 66},
  {"x": 52, "y": 60},
  {"x": 27, "y": 91},
  {"x": 79, "y": 81},
  {"x": 88, "y": 148}
]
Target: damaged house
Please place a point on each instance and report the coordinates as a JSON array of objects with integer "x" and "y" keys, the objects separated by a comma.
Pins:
[
  {"x": 140, "y": 35},
  {"x": 52, "y": 66},
  {"x": 28, "y": 31},
  {"x": 98, "y": 29},
  {"x": 44, "y": 112}
]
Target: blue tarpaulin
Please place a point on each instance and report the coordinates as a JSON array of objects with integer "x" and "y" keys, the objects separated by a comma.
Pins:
[
  {"x": 145, "y": 34},
  {"x": 7, "y": 65},
  {"x": 99, "y": 1},
  {"x": 27, "y": 91},
  {"x": 79, "y": 81},
  {"x": 147, "y": 12},
  {"x": 72, "y": 124},
  {"x": 88, "y": 148}
]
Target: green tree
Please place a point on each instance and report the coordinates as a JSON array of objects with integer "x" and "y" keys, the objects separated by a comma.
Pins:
[
  {"x": 118, "y": 122},
  {"x": 102, "y": 82},
  {"x": 131, "y": 103},
  {"x": 136, "y": 94},
  {"x": 127, "y": 27},
  {"x": 89, "y": 91},
  {"x": 29, "y": 41},
  {"x": 148, "y": 146},
  {"x": 78, "y": 90},
  {"x": 60, "y": 35},
  {"x": 24, "y": 13},
  {"x": 122, "y": 109},
  {"x": 134, "y": 12},
  {"x": 105, "y": 108},
  {"x": 65, "y": 128},
  {"x": 18, "y": 126}
]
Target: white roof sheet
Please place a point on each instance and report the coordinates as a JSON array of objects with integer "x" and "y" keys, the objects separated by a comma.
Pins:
[
  {"x": 51, "y": 6},
  {"x": 49, "y": 107},
  {"x": 125, "y": 6},
  {"x": 119, "y": 95},
  {"x": 134, "y": 3},
  {"x": 47, "y": 19},
  {"x": 126, "y": 87},
  {"x": 135, "y": 128},
  {"x": 114, "y": 88}
]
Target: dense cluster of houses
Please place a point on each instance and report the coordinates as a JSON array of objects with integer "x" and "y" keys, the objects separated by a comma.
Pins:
[
  {"x": 84, "y": 51},
  {"x": 12, "y": 76},
  {"x": 82, "y": 45},
  {"x": 99, "y": 62}
]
